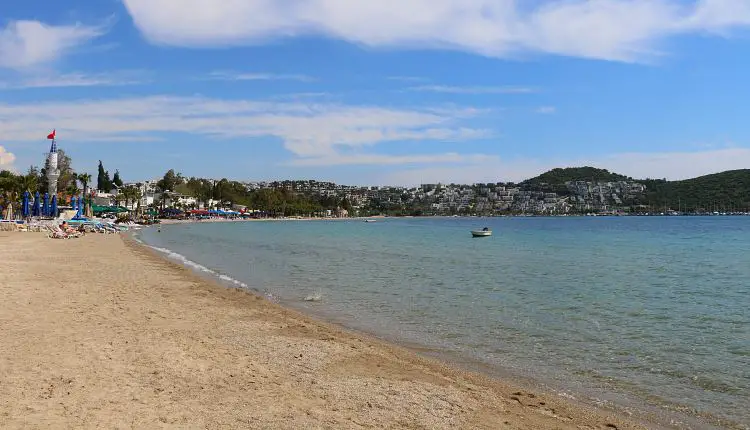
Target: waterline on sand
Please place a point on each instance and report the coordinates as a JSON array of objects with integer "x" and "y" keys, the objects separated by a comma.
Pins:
[{"x": 593, "y": 308}]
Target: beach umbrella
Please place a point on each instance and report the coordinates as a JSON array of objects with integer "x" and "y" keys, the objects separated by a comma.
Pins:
[
  {"x": 36, "y": 210},
  {"x": 45, "y": 205},
  {"x": 25, "y": 207},
  {"x": 73, "y": 202},
  {"x": 9, "y": 211},
  {"x": 53, "y": 209}
]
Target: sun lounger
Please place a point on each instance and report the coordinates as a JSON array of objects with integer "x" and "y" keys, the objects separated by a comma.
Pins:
[{"x": 58, "y": 233}]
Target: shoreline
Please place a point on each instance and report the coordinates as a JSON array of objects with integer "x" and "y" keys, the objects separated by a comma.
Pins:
[
  {"x": 617, "y": 403},
  {"x": 449, "y": 363},
  {"x": 129, "y": 337},
  {"x": 382, "y": 217}
]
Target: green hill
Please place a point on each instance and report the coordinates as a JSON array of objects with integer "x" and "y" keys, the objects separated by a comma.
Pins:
[
  {"x": 554, "y": 180},
  {"x": 560, "y": 176},
  {"x": 723, "y": 191}
]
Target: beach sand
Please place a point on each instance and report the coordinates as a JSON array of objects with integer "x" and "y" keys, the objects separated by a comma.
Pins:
[{"x": 98, "y": 332}]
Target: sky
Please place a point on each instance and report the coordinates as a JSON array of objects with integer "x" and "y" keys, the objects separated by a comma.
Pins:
[{"x": 377, "y": 92}]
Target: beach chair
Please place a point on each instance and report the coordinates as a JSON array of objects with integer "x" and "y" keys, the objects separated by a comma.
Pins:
[{"x": 58, "y": 233}]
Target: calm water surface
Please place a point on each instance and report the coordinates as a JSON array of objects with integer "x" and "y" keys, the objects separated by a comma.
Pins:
[{"x": 649, "y": 314}]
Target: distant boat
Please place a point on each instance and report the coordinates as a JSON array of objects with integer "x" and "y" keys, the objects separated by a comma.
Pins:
[
  {"x": 371, "y": 220},
  {"x": 481, "y": 233}
]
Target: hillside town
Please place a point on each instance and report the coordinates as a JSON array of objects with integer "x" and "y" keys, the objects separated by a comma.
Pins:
[{"x": 428, "y": 199}]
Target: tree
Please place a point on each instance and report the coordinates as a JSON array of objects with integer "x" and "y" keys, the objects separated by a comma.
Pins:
[
  {"x": 67, "y": 174},
  {"x": 10, "y": 185},
  {"x": 137, "y": 195},
  {"x": 84, "y": 179},
  {"x": 169, "y": 181},
  {"x": 346, "y": 205},
  {"x": 103, "y": 183},
  {"x": 126, "y": 194},
  {"x": 30, "y": 181},
  {"x": 108, "y": 182},
  {"x": 116, "y": 179},
  {"x": 72, "y": 189}
]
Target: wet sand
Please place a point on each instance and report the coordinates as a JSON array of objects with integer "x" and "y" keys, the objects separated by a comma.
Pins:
[{"x": 99, "y": 332}]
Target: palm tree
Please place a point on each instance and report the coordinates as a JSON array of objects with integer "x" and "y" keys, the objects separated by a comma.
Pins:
[
  {"x": 120, "y": 196},
  {"x": 73, "y": 189},
  {"x": 84, "y": 179},
  {"x": 131, "y": 195},
  {"x": 28, "y": 183},
  {"x": 137, "y": 196},
  {"x": 10, "y": 184}
]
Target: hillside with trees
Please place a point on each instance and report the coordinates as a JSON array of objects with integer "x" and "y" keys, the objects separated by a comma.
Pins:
[
  {"x": 560, "y": 176},
  {"x": 725, "y": 191}
]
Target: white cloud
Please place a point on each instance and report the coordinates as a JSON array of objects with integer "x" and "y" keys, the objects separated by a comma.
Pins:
[
  {"x": 407, "y": 79},
  {"x": 25, "y": 44},
  {"x": 546, "y": 110},
  {"x": 385, "y": 160},
  {"x": 621, "y": 30},
  {"x": 473, "y": 90},
  {"x": 74, "y": 80},
  {"x": 6, "y": 159},
  {"x": 238, "y": 76},
  {"x": 310, "y": 131}
]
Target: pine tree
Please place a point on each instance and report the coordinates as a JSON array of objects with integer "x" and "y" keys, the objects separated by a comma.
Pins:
[
  {"x": 116, "y": 179},
  {"x": 107, "y": 182},
  {"x": 102, "y": 179}
]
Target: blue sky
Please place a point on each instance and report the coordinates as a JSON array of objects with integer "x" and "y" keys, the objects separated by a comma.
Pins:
[{"x": 384, "y": 92}]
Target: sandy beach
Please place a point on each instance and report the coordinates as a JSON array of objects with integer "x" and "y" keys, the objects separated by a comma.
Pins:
[{"x": 99, "y": 332}]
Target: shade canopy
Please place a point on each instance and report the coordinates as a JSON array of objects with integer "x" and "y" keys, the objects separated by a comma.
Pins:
[
  {"x": 53, "y": 209},
  {"x": 26, "y": 209},
  {"x": 36, "y": 209},
  {"x": 107, "y": 209},
  {"x": 45, "y": 205}
]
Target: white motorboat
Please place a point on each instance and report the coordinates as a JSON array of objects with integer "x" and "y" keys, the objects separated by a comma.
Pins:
[
  {"x": 481, "y": 233},
  {"x": 371, "y": 220}
]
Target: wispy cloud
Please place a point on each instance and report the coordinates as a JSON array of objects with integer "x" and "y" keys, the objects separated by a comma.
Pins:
[
  {"x": 625, "y": 30},
  {"x": 474, "y": 90},
  {"x": 407, "y": 79},
  {"x": 546, "y": 110},
  {"x": 6, "y": 159},
  {"x": 309, "y": 131},
  {"x": 239, "y": 76},
  {"x": 75, "y": 80},
  {"x": 25, "y": 44},
  {"x": 302, "y": 96},
  {"x": 384, "y": 160}
]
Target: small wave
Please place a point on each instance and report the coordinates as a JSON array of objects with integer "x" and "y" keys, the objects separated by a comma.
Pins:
[
  {"x": 199, "y": 267},
  {"x": 314, "y": 297},
  {"x": 183, "y": 260},
  {"x": 232, "y": 281}
]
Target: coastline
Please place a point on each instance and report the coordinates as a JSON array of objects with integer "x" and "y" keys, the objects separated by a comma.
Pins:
[{"x": 106, "y": 332}]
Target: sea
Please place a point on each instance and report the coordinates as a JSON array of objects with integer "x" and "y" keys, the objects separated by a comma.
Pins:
[{"x": 648, "y": 316}]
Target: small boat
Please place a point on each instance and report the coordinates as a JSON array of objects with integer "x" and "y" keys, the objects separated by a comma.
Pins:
[
  {"x": 371, "y": 220},
  {"x": 481, "y": 233}
]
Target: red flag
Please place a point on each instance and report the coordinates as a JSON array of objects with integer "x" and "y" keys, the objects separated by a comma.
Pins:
[{"x": 51, "y": 135}]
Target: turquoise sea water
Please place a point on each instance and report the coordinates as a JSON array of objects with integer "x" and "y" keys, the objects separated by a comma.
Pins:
[{"x": 650, "y": 315}]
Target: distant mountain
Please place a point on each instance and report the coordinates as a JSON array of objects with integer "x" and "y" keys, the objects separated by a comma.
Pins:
[
  {"x": 723, "y": 191},
  {"x": 560, "y": 176}
]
